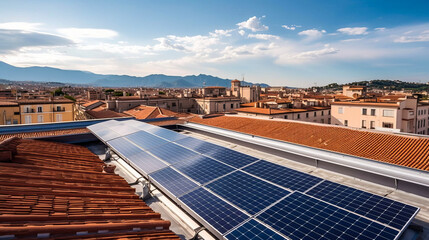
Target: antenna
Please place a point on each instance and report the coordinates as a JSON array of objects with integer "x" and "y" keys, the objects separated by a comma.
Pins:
[{"x": 242, "y": 77}]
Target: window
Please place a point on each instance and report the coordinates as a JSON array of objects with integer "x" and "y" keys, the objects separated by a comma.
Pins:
[
  {"x": 232, "y": 105},
  {"x": 364, "y": 110},
  {"x": 372, "y": 125},
  {"x": 389, "y": 113},
  {"x": 39, "y": 109},
  {"x": 224, "y": 106},
  {"x": 322, "y": 113},
  {"x": 40, "y": 118},
  {"x": 59, "y": 117},
  {"x": 306, "y": 115},
  {"x": 329, "y": 112},
  {"x": 387, "y": 125},
  {"x": 315, "y": 114},
  {"x": 363, "y": 123},
  {"x": 340, "y": 110},
  {"x": 27, "y": 119},
  {"x": 299, "y": 116},
  {"x": 285, "y": 117},
  {"x": 322, "y": 121},
  {"x": 173, "y": 104},
  {"x": 372, "y": 112},
  {"x": 58, "y": 108},
  {"x": 346, "y": 122},
  {"x": 15, "y": 121}
]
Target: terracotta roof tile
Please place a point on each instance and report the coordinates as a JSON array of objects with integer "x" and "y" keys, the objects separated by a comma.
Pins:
[
  {"x": 102, "y": 112},
  {"x": 45, "y": 133},
  {"x": 60, "y": 189},
  {"x": 395, "y": 149}
]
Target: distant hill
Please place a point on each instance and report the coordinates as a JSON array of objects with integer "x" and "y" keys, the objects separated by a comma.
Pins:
[
  {"x": 382, "y": 84},
  {"x": 48, "y": 74}
]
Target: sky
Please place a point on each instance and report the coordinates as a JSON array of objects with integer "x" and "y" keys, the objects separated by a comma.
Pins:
[{"x": 282, "y": 43}]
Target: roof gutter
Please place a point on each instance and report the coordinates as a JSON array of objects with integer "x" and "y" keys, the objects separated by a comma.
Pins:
[{"x": 396, "y": 172}]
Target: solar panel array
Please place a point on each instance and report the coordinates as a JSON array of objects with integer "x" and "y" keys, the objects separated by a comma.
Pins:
[{"x": 237, "y": 196}]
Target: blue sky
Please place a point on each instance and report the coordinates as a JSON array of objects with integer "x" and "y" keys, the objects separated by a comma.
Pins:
[{"x": 288, "y": 43}]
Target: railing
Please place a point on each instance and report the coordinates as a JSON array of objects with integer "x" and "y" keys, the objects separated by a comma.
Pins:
[
  {"x": 59, "y": 110},
  {"x": 29, "y": 111}
]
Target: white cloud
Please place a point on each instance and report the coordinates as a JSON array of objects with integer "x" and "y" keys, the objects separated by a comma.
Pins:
[
  {"x": 380, "y": 29},
  {"x": 78, "y": 34},
  {"x": 290, "y": 27},
  {"x": 242, "y": 32},
  {"x": 253, "y": 24},
  {"x": 264, "y": 36},
  {"x": 316, "y": 53},
  {"x": 25, "y": 26},
  {"x": 312, "y": 34},
  {"x": 420, "y": 37},
  {"x": 354, "y": 30},
  {"x": 121, "y": 48},
  {"x": 220, "y": 32},
  {"x": 195, "y": 44}
]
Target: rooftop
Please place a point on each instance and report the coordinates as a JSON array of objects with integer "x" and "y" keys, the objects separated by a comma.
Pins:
[
  {"x": 408, "y": 151},
  {"x": 375, "y": 104},
  {"x": 102, "y": 112},
  {"x": 60, "y": 191}
]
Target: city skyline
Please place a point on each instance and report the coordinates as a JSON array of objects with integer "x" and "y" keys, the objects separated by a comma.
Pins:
[{"x": 278, "y": 43}]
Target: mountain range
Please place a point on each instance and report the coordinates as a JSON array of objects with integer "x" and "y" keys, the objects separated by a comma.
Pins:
[{"x": 76, "y": 77}]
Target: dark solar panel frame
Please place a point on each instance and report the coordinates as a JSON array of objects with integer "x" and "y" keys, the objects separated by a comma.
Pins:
[
  {"x": 299, "y": 216},
  {"x": 218, "y": 215},
  {"x": 283, "y": 176},
  {"x": 381, "y": 209}
]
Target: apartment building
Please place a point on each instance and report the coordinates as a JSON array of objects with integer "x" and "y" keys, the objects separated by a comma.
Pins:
[
  {"x": 354, "y": 91},
  {"x": 403, "y": 115},
  {"x": 46, "y": 110},
  {"x": 9, "y": 113},
  {"x": 310, "y": 114},
  {"x": 245, "y": 93},
  {"x": 217, "y": 104}
]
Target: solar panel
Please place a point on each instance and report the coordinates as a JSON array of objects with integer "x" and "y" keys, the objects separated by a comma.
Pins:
[
  {"x": 282, "y": 176},
  {"x": 198, "y": 145},
  {"x": 167, "y": 134},
  {"x": 233, "y": 158},
  {"x": 225, "y": 155},
  {"x": 299, "y": 216},
  {"x": 384, "y": 210},
  {"x": 102, "y": 125},
  {"x": 124, "y": 147},
  {"x": 146, "y": 140},
  {"x": 107, "y": 134},
  {"x": 202, "y": 169},
  {"x": 138, "y": 124},
  {"x": 174, "y": 182},
  {"x": 123, "y": 129},
  {"x": 173, "y": 153},
  {"x": 146, "y": 162},
  {"x": 247, "y": 192},
  {"x": 213, "y": 210},
  {"x": 255, "y": 231}
]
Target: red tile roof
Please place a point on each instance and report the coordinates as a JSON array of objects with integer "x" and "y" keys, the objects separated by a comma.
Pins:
[
  {"x": 44, "y": 133},
  {"x": 60, "y": 190},
  {"x": 102, "y": 112},
  {"x": 149, "y": 112},
  {"x": 375, "y": 104},
  {"x": 391, "y": 148},
  {"x": 91, "y": 103}
]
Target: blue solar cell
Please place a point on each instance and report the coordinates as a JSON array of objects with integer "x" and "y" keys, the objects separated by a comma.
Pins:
[
  {"x": 225, "y": 155},
  {"x": 107, "y": 134},
  {"x": 202, "y": 169},
  {"x": 299, "y": 216},
  {"x": 255, "y": 231},
  {"x": 123, "y": 130},
  {"x": 282, "y": 176},
  {"x": 216, "y": 212},
  {"x": 146, "y": 140},
  {"x": 247, "y": 192},
  {"x": 199, "y": 145},
  {"x": 124, "y": 147},
  {"x": 166, "y": 134},
  {"x": 174, "y": 182},
  {"x": 231, "y": 157},
  {"x": 384, "y": 210},
  {"x": 146, "y": 162},
  {"x": 173, "y": 153}
]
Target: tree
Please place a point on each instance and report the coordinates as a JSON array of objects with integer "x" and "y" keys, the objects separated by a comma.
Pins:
[
  {"x": 58, "y": 92},
  {"x": 70, "y": 97}
]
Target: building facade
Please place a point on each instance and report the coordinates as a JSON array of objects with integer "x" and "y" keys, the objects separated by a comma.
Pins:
[
  {"x": 43, "y": 111},
  {"x": 217, "y": 105}
]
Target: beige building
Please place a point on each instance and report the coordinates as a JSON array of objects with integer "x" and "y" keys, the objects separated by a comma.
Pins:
[
  {"x": 214, "y": 91},
  {"x": 217, "y": 105},
  {"x": 43, "y": 111},
  {"x": 403, "y": 115},
  {"x": 245, "y": 93},
  {"x": 9, "y": 113},
  {"x": 311, "y": 114},
  {"x": 354, "y": 91}
]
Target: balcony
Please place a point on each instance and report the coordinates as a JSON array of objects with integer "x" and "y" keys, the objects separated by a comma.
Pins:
[{"x": 29, "y": 110}]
